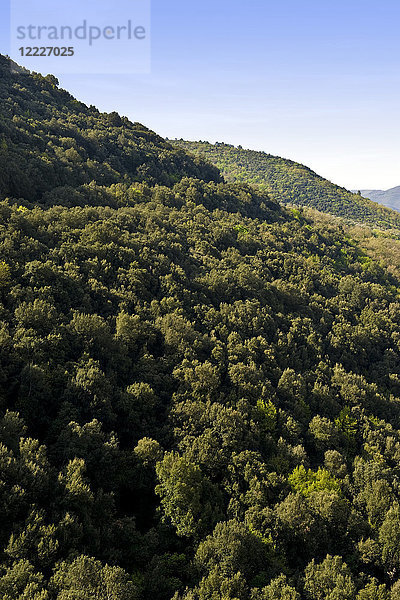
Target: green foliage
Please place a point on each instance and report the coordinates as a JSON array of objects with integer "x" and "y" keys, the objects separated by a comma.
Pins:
[
  {"x": 289, "y": 182},
  {"x": 86, "y": 578},
  {"x": 305, "y": 481},
  {"x": 269, "y": 412},
  {"x": 5, "y": 274},
  {"x": 373, "y": 591},
  {"x": 56, "y": 146},
  {"x": 389, "y": 539},
  {"x": 216, "y": 586},
  {"x": 347, "y": 423},
  {"x": 278, "y": 589},
  {"x": 199, "y": 390},
  {"x": 22, "y": 582},
  {"x": 189, "y": 500},
  {"x": 232, "y": 548},
  {"x": 329, "y": 580}
]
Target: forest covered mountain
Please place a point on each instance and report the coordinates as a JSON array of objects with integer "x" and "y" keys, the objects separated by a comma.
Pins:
[
  {"x": 199, "y": 389},
  {"x": 390, "y": 198},
  {"x": 289, "y": 182},
  {"x": 50, "y": 142}
]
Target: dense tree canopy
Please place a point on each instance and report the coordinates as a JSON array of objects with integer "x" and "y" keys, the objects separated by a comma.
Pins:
[
  {"x": 289, "y": 182},
  {"x": 53, "y": 147},
  {"x": 199, "y": 389}
]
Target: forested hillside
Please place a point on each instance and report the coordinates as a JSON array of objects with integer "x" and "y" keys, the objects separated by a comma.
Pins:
[
  {"x": 199, "y": 389},
  {"x": 51, "y": 142},
  {"x": 389, "y": 198},
  {"x": 289, "y": 182}
]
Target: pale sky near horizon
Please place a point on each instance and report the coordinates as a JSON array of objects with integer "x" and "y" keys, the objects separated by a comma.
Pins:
[{"x": 316, "y": 82}]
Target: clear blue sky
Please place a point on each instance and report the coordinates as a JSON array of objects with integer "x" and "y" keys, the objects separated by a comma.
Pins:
[{"x": 314, "y": 81}]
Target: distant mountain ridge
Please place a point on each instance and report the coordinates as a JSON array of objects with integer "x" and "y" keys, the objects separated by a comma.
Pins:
[
  {"x": 389, "y": 198},
  {"x": 289, "y": 182}
]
